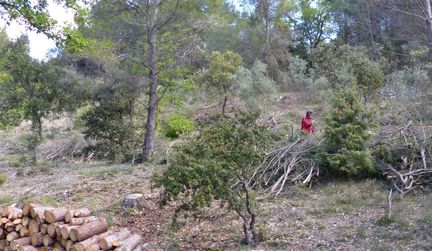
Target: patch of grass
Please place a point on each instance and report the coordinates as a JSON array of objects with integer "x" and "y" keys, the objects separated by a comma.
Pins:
[
  {"x": 263, "y": 231},
  {"x": 361, "y": 232},
  {"x": 3, "y": 178},
  {"x": 45, "y": 167},
  {"x": 384, "y": 221},
  {"x": 15, "y": 160},
  {"x": 105, "y": 172},
  {"x": 50, "y": 201},
  {"x": 6, "y": 199}
]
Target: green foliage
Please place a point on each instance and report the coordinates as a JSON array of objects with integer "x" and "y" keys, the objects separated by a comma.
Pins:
[
  {"x": 344, "y": 65},
  {"x": 254, "y": 85},
  {"x": 215, "y": 164},
  {"x": 205, "y": 167},
  {"x": 105, "y": 123},
  {"x": 312, "y": 26},
  {"x": 3, "y": 178},
  {"x": 345, "y": 136},
  {"x": 177, "y": 124},
  {"x": 221, "y": 70}
]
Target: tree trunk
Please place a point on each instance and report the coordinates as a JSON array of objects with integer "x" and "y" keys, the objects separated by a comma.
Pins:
[
  {"x": 224, "y": 105},
  {"x": 427, "y": 6},
  {"x": 152, "y": 109}
]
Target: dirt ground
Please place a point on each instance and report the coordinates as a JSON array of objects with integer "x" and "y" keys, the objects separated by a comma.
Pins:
[{"x": 334, "y": 216}]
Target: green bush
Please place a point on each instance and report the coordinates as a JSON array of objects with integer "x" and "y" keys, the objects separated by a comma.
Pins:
[
  {"x": 217, "y": 164},
  {"x": 345, "y": 136},
  {"x": 105, "y": 124},
  {"x": 177, "y": 124},
  {"x": 3, "y": 178}
]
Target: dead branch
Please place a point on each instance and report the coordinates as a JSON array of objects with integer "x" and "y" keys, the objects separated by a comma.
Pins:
[
  {"x": 411, "y": 171},
  {"x": 288, "y": 164}
]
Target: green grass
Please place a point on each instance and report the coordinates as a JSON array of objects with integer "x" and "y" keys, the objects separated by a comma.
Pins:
[
  {"x": 3, "y": 178},
  {"x": 105, "y": 172},
  {"x": 48, "y": 200},
  {"x": 5, "y": 200}
]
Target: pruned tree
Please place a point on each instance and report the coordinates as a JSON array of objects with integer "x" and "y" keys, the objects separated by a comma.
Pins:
[
  {"x": 220, "y": 74},
  {"x": 217, "y": 165},
  {"x": 149, "y": 36}
]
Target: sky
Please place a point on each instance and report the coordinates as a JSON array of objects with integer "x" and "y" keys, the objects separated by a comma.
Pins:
[{"x": 40, "y": 45}]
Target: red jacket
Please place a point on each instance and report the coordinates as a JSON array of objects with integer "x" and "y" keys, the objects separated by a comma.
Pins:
[{"x": 306, "y": 125}]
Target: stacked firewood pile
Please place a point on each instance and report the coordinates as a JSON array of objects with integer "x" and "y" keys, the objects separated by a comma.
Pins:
[{"x": 42, "y": 228}]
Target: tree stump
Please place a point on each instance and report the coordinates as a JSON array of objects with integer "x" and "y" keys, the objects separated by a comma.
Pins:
[{"x": 135, "y": 200}]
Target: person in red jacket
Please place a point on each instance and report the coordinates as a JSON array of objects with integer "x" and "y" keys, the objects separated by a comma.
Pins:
[{"x": 306, "y": 123}]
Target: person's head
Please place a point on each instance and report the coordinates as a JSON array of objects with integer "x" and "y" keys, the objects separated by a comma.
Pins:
[{"x": 308, "y": 114}]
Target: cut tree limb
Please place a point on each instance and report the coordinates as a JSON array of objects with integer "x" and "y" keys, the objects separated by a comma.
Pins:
[
  {"x": 88, "y": 230},
  {"x": 129, "y": 244},
  {"x": 55, "y": 215},
  {"x": 114, "y": 239}
]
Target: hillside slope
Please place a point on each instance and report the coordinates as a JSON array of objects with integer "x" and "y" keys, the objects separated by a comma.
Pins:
[{"x": 346, "y": 216}]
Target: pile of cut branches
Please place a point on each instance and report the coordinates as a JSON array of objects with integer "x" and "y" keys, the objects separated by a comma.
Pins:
[
  {"x": 290, "y": 163},
  {"x": 404, "y": 157}
]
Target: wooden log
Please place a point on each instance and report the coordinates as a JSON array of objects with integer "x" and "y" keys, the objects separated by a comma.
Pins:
[
  {"x": 27, "y": 207},
  {"x": 59, "y": 249},
  {"x": 94, "y": 247},
  {"x": 12, "y": 236},
  {"x": 36, "y": 239},
  {"x": 88, "y": 230},
  {"x": 9, "y": 224},
  {"x": 57, "y": 245},
  {"x": 45, "y": 249},
  {"x": 63, "y": 242},
  {"x": 107, "y": 242},
  {"x": 55, "y": 215},
  {"x": 81, "y": 246},
  {"x": 82, "y": 212},
  {"x": 7, "y": 248},
  {"x": 3, "y": 221},
  {"x": 27, "y": 248},
  {"x": 65, "y": 230},
  {"x": 3, "y": 243},
  {"x": 19, "y": 242},
  {"x": 69, "y": 216},
  {"x": 14, "y": 213},
  {"x": 38, "y": 210},
  {"x": 47, "y": 240},
  {"x": 17, "y": 222},
  {"x": 44, "y": 228},
  {"x": 24, "y": 232},
  {"x": 33, "y": 226},
  {"x": 129, "y": 244},
  {"x": 80, "y": 221},
  {"x": 51, "y": 231},
  {"x": 2, "y": 235},
  {"x": 4, "y": 212},
  {"x": 69, "y": 244},
  {"x": 25, "y": 221},
  {"x": 58, "y": 229},
  {"x": 18, "y": 227}
]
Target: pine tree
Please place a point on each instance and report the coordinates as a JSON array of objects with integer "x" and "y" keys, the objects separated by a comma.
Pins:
[{"x": 345, "y": 137}]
